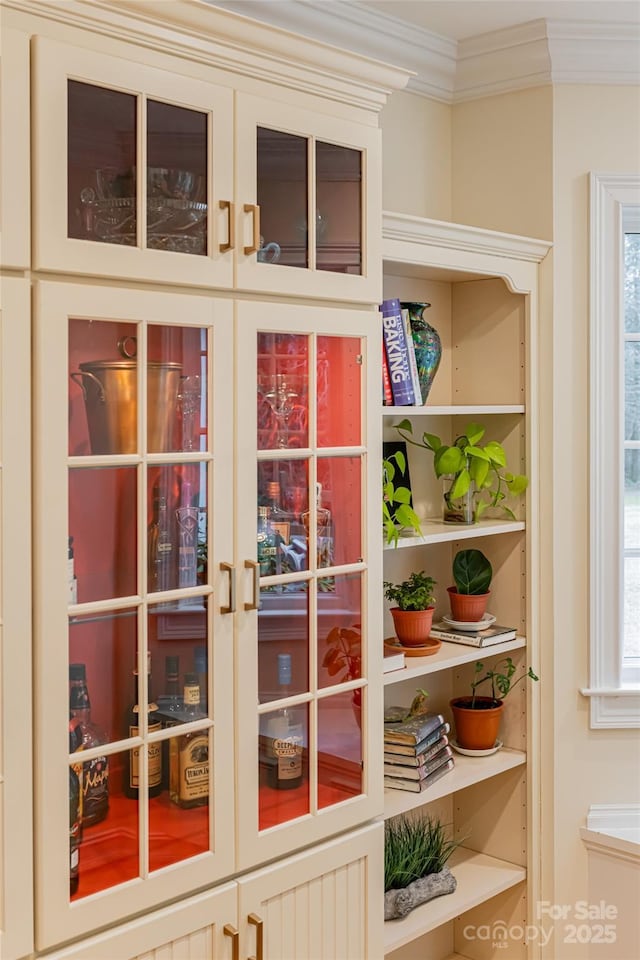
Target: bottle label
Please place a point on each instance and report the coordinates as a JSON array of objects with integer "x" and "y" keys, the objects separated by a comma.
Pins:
[
  {"x": 192, "y": 767},
  {"x": 192, "y": 696},
  {"x": 95, "y": 788},
  {"x": 155, "y": 759},
  {"x": 287, "y": 752}
]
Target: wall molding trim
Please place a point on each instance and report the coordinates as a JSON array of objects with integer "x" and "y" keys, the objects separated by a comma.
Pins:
[{"x": 532, "y": 54}]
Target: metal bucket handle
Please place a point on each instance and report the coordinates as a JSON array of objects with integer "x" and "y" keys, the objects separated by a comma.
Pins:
[
  {"x": 128, "y": 347},
  {"x": 77, "y": 378}
]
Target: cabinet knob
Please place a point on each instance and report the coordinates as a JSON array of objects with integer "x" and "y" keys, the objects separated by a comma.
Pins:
[
  {"x": 230, "y": 207},
  {"x": 255, "y": 210},
  {"x": 254, "y": 919},
  {"x": 230, "y": 931}
]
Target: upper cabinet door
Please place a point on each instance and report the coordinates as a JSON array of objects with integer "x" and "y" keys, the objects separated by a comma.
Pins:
[
  {"x": 133, "y": 169},
  {"x": 308, "y": 196}
]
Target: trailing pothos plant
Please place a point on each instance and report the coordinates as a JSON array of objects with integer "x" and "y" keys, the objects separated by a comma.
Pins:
[
  {"x": 468, "y": 461},
  {"x": 397, "y": 512}
]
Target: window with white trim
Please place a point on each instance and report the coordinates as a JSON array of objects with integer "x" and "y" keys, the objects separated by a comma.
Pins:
[{"x": 614, "y": 431}]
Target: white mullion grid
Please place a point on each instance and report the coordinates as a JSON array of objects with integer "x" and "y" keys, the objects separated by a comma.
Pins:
[
  {"x": 141, "y": 164},
  {"x": 312, "y": 593},
  {"x": 311, "y": 203},
  {"x": 143, "y": 566},
  {"x": 212, "y": 213},
  {"x": 363, "y": 213}
]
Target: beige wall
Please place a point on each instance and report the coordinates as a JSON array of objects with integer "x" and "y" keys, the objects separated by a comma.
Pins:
[
  {"x": 595, "y": 129},
  {"x": 502, "y": 162},
  {"x": 416, "y": 156}
]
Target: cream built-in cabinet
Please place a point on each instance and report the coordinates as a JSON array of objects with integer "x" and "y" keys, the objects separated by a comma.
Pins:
[
  {"x": 482, "y": 288},
  {"x": 191, "y": 235}
]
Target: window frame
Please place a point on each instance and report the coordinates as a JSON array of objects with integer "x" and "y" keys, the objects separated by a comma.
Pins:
[{"x": 615, "y": 702}]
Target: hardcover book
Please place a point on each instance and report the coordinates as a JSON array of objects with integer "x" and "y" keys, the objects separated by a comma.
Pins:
[
  {"x": 393, "y": 661},
  {"x": 413, "y": 363},
  {"x": 387, "y": 395},
  {"x": 417, "y": 759},
  {"x": 413, "y": 730},
  {"x": 394, "y": 337},
  {"x": 419, "y": 773},
  {"x": 414, "y": 750},
  {"x": 417, "y": 786},
  {"x": 480, "y": 638}
]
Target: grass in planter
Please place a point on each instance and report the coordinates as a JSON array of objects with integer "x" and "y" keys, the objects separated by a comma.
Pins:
[{"x": 414, "y": 847}]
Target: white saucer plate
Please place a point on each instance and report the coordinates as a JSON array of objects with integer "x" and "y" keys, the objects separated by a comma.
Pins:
[
  {"x": 475, "y": 753},
  {"x": 471, "y": 625}
]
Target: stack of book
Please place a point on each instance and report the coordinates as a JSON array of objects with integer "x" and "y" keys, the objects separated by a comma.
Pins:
[{"x": 416, "y": 752}]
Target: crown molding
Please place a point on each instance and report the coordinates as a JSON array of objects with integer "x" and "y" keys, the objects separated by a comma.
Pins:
[{"x": 527, "y": 55}]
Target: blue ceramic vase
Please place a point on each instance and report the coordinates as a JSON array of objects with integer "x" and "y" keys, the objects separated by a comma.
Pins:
[{"x": 426, "y": 340}]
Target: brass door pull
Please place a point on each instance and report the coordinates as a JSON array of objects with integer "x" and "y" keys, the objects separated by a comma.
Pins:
[
  {"x": 258, "y": 924},
  {"x": 231, "y": 570},
  {"x": 230, "y": 931},
  {"x": 255, "y": 210},
  {"x": 255, "y": 566},
  {"x": 230, "y": 207}
]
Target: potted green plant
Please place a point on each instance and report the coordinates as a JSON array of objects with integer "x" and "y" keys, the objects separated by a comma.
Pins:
[
  {"x": 416, "y": 851},
  {"x": 477, "y": 718},
  {"x": 472, "y": 573},
  {"x": 474, "y": 474},
  {"x": 414, "y": 605},
  {"x": 397, "y": 512}
]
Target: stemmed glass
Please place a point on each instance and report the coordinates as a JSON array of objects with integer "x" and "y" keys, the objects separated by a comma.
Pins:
[
  {"x": 280, "y": 395},
  {"x": 189, "y": 396}
]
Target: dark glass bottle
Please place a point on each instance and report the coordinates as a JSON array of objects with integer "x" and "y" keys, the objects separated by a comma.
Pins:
[
  {"x": 75, "y": 807},
  {"x": 189, "y": 763},
  {"x": 281, "y": 736},
  {"x": 95, "y": 773},
  {"x": 131, "y": 782}
]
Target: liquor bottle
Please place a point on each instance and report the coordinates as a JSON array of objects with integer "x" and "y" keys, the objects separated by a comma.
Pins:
[
  {"x": 324, "y": 540},
  {"x": 200, "y": 667},
  {"x": 280, "y": 518},
  {"x": 95, "y": 773},
  {"x": 267, "y": 544},
  {"x": 170, "y": 708},
  {"x": 131, "y": 784},
  {"x": 189, "y": 754},
  {"x": 281, "y": 737},
  {"x": 187, "y": 521},
  {"x": 75, "y": 808},
  {"x": 160, "y": 546},
  {"x": 72, "y": 580}
]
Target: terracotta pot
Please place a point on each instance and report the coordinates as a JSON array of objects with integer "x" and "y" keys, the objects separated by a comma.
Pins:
[
  {"x": 476, "y": 729},
  {"x": 467, "y": 606},
  {"x": 412, "y": 626}
]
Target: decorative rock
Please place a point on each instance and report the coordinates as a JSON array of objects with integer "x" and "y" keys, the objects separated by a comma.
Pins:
[{"x": 398, "y": 903}]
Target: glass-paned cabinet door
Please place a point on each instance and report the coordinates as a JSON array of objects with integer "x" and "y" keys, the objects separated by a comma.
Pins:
[
  {"x": 308, "y": 195},
  {"x": 133, "y": 652},
  {"x": 307, "y": 616},
  {"x": 133, "y": 169}
]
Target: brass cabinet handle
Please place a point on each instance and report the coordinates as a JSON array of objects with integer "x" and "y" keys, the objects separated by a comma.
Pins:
[
  {"x": 230, "y": 931},
  {"x": 255, "y": 566},
  {"x": 231, "y": 570},
  {"x": 258, "y": 924},
  {"x": 255, "y": 210},
  {"x": 230, "y": 207}
]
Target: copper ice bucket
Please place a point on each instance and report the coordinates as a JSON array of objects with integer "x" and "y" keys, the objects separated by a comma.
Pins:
[{"x": 111, "y": 402}]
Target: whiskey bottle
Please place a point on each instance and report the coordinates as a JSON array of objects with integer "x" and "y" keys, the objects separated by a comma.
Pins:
[
  {"x": 75, "y": 815},
  {"x": 281, "y": 736},
  {"x": 189, "y": 754},
  {"x": 131, "y": 784},
  {"x": 95, "y": 773},
  {"x": 160, "y": 546}
]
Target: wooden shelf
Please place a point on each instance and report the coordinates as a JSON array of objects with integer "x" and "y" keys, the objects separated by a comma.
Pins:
[
  {"x": 437, "y": 531},
  {"x": 466, "y": 772},
  {"x": 449, "y": 655},
  {"x": 479, "y": 878},
  {"x": 453, "y": 410}
]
